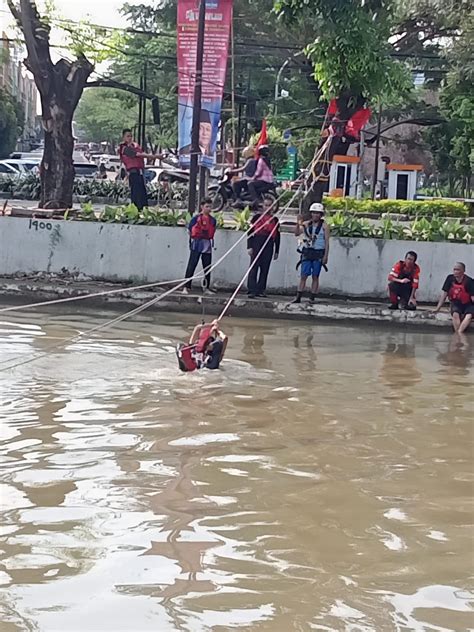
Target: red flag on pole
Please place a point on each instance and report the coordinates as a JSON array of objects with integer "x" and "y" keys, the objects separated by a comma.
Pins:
[{"x": 263, "y": 138}]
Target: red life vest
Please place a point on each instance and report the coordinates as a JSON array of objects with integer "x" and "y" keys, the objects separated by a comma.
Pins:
[
  {"x": 204, "y": 228},
  {"x": 204, "y": 339},
  {"x": 131, "y": 162},
  {"x": 265, "y": 225},
  {"x": 191, "y": 356},
  {"x": 458, "y": 292}
]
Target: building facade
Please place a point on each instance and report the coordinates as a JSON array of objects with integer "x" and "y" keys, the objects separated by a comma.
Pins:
[{"x": 17, "y": 81}]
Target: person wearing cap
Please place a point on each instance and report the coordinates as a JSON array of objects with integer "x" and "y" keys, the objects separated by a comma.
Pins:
[
  {"x": 248, "y": 170},
  {"x": 314, "y": 251},
  {"x": 205, "y": 136}
]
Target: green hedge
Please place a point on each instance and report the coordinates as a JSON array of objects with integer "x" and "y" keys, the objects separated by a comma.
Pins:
[{"x": 412, "y": 208}]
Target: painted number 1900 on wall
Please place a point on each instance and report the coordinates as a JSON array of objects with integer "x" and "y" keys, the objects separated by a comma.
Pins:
[{"x": 37, "y": 225}]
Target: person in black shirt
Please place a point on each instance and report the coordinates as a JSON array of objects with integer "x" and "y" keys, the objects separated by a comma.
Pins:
[
  {"x": 263, "y": 245},
  {"x": 459, "y": 288}
]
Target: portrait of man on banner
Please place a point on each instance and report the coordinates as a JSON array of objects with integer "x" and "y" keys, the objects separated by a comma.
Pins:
[{"x": 208, "y": 132}]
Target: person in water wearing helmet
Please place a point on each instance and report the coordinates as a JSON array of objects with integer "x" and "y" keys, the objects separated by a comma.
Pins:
[
  {"x": 205, "y": 349},
  {"x": 263, "y": 178},
  {"x": 315, "y": 250}
]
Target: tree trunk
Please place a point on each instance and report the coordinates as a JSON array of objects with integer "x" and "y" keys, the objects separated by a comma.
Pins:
[
  {"x": 57, "y": 171},
  {"x": 347, "y": 104},
  {"x": 60, "y": 86}
]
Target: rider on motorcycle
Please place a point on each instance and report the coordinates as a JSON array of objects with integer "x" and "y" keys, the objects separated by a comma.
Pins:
[
  {"x": 248, "y": 170},
  {"x": 263, "y": 179}
]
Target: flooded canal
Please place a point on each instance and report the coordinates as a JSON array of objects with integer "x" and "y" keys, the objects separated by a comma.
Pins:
[{"x": 322, "y": 480}]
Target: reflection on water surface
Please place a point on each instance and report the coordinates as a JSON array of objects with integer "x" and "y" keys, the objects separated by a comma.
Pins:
[{"x": 321, "y": 480}]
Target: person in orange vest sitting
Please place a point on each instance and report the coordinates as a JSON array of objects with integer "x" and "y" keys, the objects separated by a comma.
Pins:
[
  {"x": 263, "y": 246},
  {"x": 403, "y": 282},
  {"x": 205, "y": 349},
  {"x": 202, "y": 229},
  {"x": 459, "y": 288}
]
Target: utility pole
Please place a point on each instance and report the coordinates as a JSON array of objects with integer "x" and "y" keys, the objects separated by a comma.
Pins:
[
  {"x": 359, "y": 167},
  {"x": 140, "y": 111},
  {"x": 143, "y": 139},
  {"x": 377, "y": 152},
  {"x": 195, "y": 151}
]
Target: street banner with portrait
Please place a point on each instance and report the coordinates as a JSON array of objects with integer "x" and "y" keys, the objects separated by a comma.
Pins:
[{"x": 216, "y": 46}]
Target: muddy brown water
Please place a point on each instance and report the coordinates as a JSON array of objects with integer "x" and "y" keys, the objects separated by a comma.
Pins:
[{"x": 322, "y": 480}]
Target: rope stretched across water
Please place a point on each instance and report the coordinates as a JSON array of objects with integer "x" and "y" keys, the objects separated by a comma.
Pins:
[{"x": 150, "y": 303}]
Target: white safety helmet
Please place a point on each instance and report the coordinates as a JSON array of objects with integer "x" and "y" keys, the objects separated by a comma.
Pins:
[{"x": 316, "y": 207}]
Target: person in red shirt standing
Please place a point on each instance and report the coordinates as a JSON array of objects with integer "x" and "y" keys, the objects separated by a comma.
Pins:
[
  {"x": 133, "y": 158},
  {"x": 459, "y": 288},
  {"x": 403, "y": 282}
]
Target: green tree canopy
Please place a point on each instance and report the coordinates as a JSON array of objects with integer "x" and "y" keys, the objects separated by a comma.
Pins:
[{"x": 11, "y": 123}]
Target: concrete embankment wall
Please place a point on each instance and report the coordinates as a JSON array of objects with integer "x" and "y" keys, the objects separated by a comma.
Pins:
[{"x": 119, "y": 252}]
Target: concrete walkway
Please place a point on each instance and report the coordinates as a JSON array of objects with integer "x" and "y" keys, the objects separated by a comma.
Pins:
[{"x": 21, "y": 290}]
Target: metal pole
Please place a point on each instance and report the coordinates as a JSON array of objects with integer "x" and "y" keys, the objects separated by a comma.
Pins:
[
  {"x": 239, "y": 135},
  {"x": 143, "y": 143},
  {"x": 140, "y": 109},
  {"x": 277, "y": 82},
  {"x": 377, "y": 152},
  {"x": 247, "y": 105},
  {"x": 195, "y": 151},
  {"x": 359, "y": 166},
  {"x": 202, "y": 183},
  {"x": 232, "y": 80}
]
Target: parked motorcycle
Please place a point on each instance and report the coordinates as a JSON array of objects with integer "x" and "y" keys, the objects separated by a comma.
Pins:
[{"x": 222, "y": 193}]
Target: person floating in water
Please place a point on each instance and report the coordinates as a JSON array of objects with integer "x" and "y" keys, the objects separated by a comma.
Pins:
[{"x": 205, "y": 349}]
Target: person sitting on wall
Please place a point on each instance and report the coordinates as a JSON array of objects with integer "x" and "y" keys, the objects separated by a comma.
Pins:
[
  {"x": 205, "y": 349},
  {"x": 459, "y": 288},
  {"x": 403, "y": 282}
]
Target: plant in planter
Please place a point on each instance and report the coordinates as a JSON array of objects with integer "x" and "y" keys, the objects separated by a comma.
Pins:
[{"x": 242, "y": 219}]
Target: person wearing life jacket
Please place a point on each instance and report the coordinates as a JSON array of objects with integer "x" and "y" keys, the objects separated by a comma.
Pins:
[
  {"x": 133, "y": 158},
  {"x": 459, "y": 288},
  {"x": 314, "y": 251},
  {"x": 403, "y": 282},
  {"x": 263, "y": 245},
  {"x": 202, "y": 229},
  {"x": 205, "y": 349}
]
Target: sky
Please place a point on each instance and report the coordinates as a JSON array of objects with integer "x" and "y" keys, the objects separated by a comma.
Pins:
[{"x": 104, "y": 12}]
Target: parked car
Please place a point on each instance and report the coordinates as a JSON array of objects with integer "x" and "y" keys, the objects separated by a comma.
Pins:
[
  {"x": 23, "y": 165},
  {"x": 7, "y": 170},
  {"x": 86, "y": 170},
  {"x": 154, "y": 175},
  {"x": 111, "y": 162}
]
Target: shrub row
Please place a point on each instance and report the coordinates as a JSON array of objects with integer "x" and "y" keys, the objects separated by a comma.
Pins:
[
  {"x": 411, "y": 208},
  {"x": 342, "y": 224}
]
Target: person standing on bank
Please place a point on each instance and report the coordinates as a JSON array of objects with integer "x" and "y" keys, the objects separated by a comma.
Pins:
[
  {"x": 315, "y": 249},
  {"x": 202, "y": 229},
  {"x": 459, "y": 288},
  {"x": 263, "y": 245},
  {"x": 133, "y": 158},
  {"x": 403, "y": 282}
]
